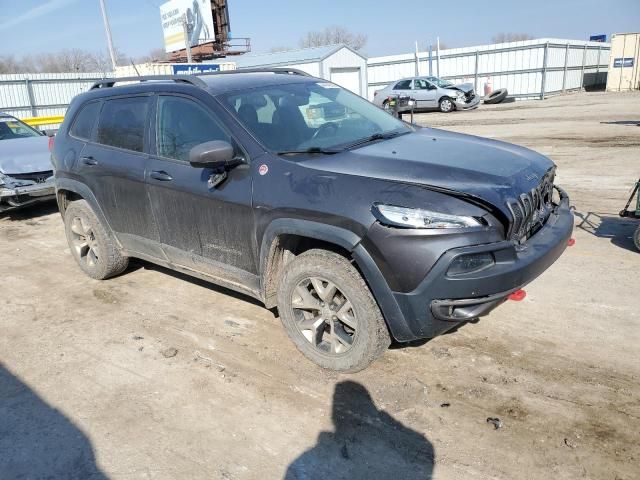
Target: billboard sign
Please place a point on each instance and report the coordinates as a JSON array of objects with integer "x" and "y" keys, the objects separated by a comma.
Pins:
[
  {"x": 626, "y": 62},
  {"x": 197, "y": 14},
  {"x": 195, "y": 68},
  {"x": 598, "y": 38}
]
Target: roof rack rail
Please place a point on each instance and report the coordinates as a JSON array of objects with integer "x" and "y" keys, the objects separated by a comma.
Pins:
[
  {"x": 110, "y": 82},
  {"x": 283, "y": 70}
]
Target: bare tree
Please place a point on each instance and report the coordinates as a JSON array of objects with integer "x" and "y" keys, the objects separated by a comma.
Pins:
[
  {"x": 511, "y": 37},
  {"x": 155, "y": 55},
  {"x": 332, "y": 36},
  {"x": 279, "y": 48}
]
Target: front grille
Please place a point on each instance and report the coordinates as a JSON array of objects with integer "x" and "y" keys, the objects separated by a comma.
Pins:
[
  {"x": 531, "y": 210},
  {"x": 38, "y": 177}
]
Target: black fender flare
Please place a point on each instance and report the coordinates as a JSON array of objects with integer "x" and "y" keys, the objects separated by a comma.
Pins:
[
  {"x": 350, "y": 241},
  {"x": 85, "y": 192}
]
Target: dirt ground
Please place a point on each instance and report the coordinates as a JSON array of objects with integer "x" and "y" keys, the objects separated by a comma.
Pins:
[{"x": 91, "y": 388}]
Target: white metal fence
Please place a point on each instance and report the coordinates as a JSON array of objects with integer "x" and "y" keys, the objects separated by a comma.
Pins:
[
  {"x": 42, "y": 94},
  {"x": 528, "y": 69}
]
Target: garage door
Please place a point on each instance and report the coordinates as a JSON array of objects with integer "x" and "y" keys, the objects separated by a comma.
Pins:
[{"x": 348, "y": 78}]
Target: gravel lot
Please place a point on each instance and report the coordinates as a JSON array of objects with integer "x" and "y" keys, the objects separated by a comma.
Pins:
[{"x": 156, "y": 375}]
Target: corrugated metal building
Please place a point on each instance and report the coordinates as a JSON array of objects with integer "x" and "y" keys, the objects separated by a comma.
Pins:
[
  {"x": 337, "y": 63},
  {"x": 528, "y": 69},
  {"x": 624, "y": 64}
]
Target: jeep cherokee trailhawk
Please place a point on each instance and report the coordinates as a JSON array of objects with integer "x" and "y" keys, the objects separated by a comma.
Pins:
[{"x": 358, "y": 227}]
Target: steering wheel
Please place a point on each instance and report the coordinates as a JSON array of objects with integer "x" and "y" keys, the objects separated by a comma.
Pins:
[{"x": 323, "y": 130}]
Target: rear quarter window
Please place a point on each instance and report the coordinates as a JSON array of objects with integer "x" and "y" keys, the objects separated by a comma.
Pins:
[
  {"x": 122, "y": 123},
  {"x": 85, "y": 120}
]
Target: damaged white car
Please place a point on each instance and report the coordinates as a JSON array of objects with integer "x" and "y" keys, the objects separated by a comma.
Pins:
[{"x": 26, "y": 173}]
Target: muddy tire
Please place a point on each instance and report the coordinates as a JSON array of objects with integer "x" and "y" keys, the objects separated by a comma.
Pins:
[
  {"x": 636, "y": 238},
  {"x": 93, "y": 249},
  {"x": 446, "y": 105},
  {"x": 329, "y": 313}
]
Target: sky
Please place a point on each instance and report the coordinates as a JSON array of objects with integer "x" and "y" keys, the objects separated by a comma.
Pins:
[{"x": 38, "y": 26}]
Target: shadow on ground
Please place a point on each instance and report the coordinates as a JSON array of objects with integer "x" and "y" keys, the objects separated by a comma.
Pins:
[
  {"x": 36, "y": 440},
  {"x": 606, "y": 225},
  {"x": 33, "y": 211},
  {"x": 633, "y": 123},
  {"x": 367, "y": 443}
]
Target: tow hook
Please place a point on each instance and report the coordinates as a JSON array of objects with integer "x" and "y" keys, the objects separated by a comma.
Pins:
[{"x": 518, "y": 295}]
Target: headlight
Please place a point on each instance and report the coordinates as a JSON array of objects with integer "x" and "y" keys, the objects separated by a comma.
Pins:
[
  {"x": 460, "y": 94},
  {"x": 417, "y": 218}
]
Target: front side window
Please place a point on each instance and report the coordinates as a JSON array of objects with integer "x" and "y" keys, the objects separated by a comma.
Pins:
[
  {"x": 85, "y": 120},
  {"x": 403, "y": 85},
  {"x": 11, "y": 128},
  {"x": 182, "y": 124},
  {"x": 421, "y": 84},
  {"x": 122, "y": 123},
  {"x": 439, "y": 82},
  {"x": 301, "y": 116}
]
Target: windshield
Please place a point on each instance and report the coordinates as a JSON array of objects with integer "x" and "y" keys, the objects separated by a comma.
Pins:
[
  {"x": 11, "y": 128},
  {"x": 303, "y": 116},
  {"x": 439, "y": 82}
]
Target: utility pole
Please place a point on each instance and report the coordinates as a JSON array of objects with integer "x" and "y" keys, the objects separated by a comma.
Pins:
[
  {"x": 107, "y": 29},
  {"x": 187, "y": 37},
  {"x": 438, "y": 57}
]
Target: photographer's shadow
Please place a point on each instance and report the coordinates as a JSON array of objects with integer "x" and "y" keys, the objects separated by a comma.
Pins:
[{"x": 367, "y": 443}]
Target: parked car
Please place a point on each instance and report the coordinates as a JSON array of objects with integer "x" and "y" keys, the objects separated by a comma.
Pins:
[
  {"x": 430, "y": 93},
  {"x": 358, "y": 230},
  {"x": 26, "y": 173}
]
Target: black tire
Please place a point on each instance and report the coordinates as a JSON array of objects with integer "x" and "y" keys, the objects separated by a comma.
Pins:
[
  {"x": 496, "y": 97},
  {"x": 385, "y": 105},
  {"x": 370, "y": 337},
  {"x": 446, "y": 105},
  {"x": 636, "y": 238},
  {"x": 93, "y": 249}
]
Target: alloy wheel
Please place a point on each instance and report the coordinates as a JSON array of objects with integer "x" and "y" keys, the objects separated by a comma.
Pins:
[
  {"x": 84, "y": 241},
  {"x": 446, "y": 105},
  {"x": 324, "y": 315}
]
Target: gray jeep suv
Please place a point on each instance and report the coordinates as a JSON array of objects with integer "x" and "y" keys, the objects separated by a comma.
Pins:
[{"x": 357, "y": 227}]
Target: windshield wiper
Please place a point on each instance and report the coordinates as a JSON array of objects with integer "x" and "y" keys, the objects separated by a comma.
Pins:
[
  {"x": 373, "y": 138},
  {"x": 324, "y": 151}
]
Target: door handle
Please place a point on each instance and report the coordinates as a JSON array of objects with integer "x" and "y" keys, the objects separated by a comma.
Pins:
[
  {"x": 89, "y": 160},
  {"x": 161, "y": 175}
]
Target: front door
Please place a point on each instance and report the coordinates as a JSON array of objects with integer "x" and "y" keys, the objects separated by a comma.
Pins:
[
  {"x": 424, "y": 93},
  {"x": 203, "y": 226}
]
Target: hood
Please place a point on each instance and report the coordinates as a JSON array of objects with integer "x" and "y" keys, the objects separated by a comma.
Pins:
[
  {"x": 25, "y": 155},
  {"x": 463, "y": 87},
  {"x": 489, "y": 170}
]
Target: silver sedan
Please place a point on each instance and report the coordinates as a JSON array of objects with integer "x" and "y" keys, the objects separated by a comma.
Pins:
[{"x": 430, "y": 93}]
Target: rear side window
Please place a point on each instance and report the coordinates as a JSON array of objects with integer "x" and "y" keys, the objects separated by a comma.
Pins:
[
  {"x": 183, "y": 124},
  {"x": 403, "y": 85},
  {"x": 122, "y": 123},
  {"x": 85, "y": 120}
]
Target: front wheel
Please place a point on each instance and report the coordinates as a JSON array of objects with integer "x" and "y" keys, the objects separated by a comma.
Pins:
[
  {"x": 329, "y": 313},
  {"x": 446, "y": 105}
]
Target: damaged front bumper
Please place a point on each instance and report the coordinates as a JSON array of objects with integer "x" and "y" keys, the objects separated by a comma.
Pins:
[
  {"x": 16, "y": 193},
  {"x": 464, "y": 104}
]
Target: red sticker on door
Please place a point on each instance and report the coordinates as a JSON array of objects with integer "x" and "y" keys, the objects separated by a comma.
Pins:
[{"x": 263, "y": 169}]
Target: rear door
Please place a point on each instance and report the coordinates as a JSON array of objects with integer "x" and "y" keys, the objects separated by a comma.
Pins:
[
  {"x": 113, "y": 166},
  {"x": 203, "y": 226}
]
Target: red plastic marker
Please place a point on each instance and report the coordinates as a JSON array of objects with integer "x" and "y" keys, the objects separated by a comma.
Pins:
[
  {"x": 518, "y": 295},
  {"x": 571, "y": 242}
]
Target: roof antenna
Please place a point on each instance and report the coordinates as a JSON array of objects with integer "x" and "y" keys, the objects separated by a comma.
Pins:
[{"x": 134, "y": 66}]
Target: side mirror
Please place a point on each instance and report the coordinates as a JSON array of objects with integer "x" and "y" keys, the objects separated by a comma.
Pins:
[
  {"x": 432, "y": 87},
  {"x": 217, "y": 155}
]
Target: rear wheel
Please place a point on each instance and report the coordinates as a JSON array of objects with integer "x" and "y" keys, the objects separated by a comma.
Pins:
[
  {"x": 329, "y": 312},
  {"x": 446, "y": 105},
  {"x": 94, "y": 251}
]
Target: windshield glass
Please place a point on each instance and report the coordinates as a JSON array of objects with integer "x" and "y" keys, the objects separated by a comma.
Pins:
[
  {"x": 302, "y": 116},
  {"x": 439, "y": 82},
  {"x": 13, "y": 128}
]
